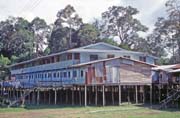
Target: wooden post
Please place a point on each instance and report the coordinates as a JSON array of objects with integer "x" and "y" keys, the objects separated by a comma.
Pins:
[
  {"x": 49, "y": 97},
  {"x": 44, "y": 96},
  {"x": 136, "y": 94},
  {"x": 112, "y": 94},
  {"x": 66, "y": 96},
  {"x": 55, "y": 96},
  {"x": 38, "y": 97},
  {"x": 80, "y": 95},
  {"x": 85, "y": 95},
  {"x": 119, "y": 94},
  {"x": 96, "y": 96},
  {"x": 159, "y": 88},
  {"x": 151, "y": 95},
  {"x": 144, "y": 97},
  {"x": 73, "y": 96},
  {"x": 103, "y": 92}
]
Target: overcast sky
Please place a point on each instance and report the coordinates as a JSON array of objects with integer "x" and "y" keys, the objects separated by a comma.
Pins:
[{"x": 87, "y": 9}]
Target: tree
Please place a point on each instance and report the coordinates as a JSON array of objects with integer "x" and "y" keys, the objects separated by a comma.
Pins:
[
  {"x": 41, "y": 33},
  {"x": 68, "y": 17},
  {"x": 168, "y": 30},
  {"x": 87, "y": 34},
  {"x": 4, "y": 72},
  {"x": 119, "y": 21},
  {"x": 15, "y": 37}
]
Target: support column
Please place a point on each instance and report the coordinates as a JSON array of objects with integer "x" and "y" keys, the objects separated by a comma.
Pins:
[
  {"x": 96, "y": 96},
  {"x": 49, "y": 97},
  {"x": 144, "y": 97},
  {"x": 136, "y": 94},
  {"x": 73, "y": 96},
  {"x": 103, "y": 92},
  {"x": 112, "y": 94},
  {"x": 38, "y": 97},
  {"x": 55, "y": 96},
  {"x": 119, "y": 94},
  {"x": 80, "y": 96},
  {"x": 85, "y": 95},
  {"x": 151, "y": 95},
  {"x": 159, "y": 91},
  {"x": 66, "y": 96}
]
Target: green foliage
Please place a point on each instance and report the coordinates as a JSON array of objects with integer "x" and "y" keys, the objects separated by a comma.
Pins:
[
  {"x": 4, "y": 61},
  {"x": 4, "y": 72},
  {"x": 109, "y": 41},
  {"x": 119, "y": 21},
  {"x": 87, "y": 34}
]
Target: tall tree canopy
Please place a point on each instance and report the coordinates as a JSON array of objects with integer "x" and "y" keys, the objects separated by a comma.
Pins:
[
  {"x": 168, "y": 30},
  {"x": 41, "y": 33},
  {"x": 67, "y": 22},
  {"x": 119, "y": 21}
]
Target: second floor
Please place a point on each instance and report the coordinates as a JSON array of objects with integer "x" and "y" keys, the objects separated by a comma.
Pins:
[{"x": 84, "y": 54}]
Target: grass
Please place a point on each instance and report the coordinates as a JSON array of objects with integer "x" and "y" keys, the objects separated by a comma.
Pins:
[{"x": 125, "y": 111}]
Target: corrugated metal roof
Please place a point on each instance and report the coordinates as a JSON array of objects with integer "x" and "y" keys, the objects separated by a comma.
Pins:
[{"x": 102, "y": 60}]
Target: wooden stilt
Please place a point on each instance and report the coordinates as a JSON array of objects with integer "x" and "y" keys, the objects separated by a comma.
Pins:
[
  {"x": 44, "y": 96},
  {"x": 66, "y": 96},
  {"x": 159, "y": 94},
  {"x": 136, "y": 94},
  {"x": 38, "y": 97},
  {"x": 103, "y": 92},
  {"x": 73, "y": 96},
  {"x": 80, "y": 96},
  {"x": 144, "y": 98},
  {"x": 112, "y": 88},
  {"x": 49, "y": 97},
  {"x": 119, "y": 94},
  {"x": 55, "y": 96},
  {"x": 85, "y": 95},
  {"x": 151, "y": 95},
  {"x": 96, "y": 95}
]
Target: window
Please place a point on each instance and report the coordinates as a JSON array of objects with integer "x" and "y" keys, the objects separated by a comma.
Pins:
[
  {"x": 93, "y": 57},
  {"x": 82, "y": 73},
  {"x": 49, "y": 75},
  {"x": 69, "y": 56},
  {"x": 142, "y": 58},
  {"x": 74, "y": 73},
  {"x": 76, "y": 56},
  {"x": 58, "y": 74},
  {"x": 64, "y": 74},
  {"x": 126, "y": 56},
  {"x": 110, "y": 56},
  {"x": 54, "y": 74},
  {"x": 69, "y": 74},
  {"x": 45, "y": 75}
]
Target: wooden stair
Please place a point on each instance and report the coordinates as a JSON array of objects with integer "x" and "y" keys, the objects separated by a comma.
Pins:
[
  {"x": 26, "y": 93},
  {"x": 174, "y": 95}
]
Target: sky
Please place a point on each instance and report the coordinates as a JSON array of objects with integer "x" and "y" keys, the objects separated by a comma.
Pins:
[{"x": 149, "y": 10}]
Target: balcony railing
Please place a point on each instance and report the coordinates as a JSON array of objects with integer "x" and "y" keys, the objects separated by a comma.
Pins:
[{"x": 52, "y": 66}]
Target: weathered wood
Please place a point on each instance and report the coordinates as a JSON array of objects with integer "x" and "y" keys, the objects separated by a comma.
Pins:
[
  {"x": 112, "y": 92},
  {"x": 136, "y": 94},
  {"x": 103, "y": 93},
  {"x": 38, "y": 97},
  {"x": 72, "y": 95},
  {"x": 85, "y": 95},
  {"x": 151, "y": 95},
  {"x": 144, "y": 98},
  {"x": 96, "y": 95},
  {"x": 119, "y": 94},
  {"x": 80, "y": 96}
]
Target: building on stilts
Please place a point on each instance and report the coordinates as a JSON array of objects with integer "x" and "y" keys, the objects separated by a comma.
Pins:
[{"x": 97, "y": 74}]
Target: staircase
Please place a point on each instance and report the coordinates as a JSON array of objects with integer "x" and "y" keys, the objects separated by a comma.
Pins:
[
  {"x": 174, "y": 95},
  {"x": 26, "y": 93}
]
